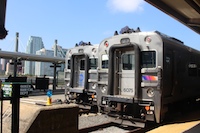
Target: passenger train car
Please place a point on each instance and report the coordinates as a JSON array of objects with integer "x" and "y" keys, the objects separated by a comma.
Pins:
[
  {"x": 141, "y": 73},
  {"x": 81, "y": 74}
]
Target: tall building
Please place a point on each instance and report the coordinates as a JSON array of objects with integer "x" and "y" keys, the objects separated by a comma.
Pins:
[
  {"x": 34, "y": 44},
  {"x": 9, "y": 68},
  {"x": 4, "y": 62}
]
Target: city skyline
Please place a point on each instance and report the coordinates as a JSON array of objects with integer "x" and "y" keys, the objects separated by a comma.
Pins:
[
  {"x": 35, "y": 46},
  {"x": 73, "y": 21}
]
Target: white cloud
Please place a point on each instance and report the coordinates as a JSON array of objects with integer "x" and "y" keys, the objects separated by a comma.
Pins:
[{"x": 126, "y": 6}]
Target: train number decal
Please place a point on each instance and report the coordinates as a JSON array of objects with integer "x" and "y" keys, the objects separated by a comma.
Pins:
[{"x": 127, "y": 90}]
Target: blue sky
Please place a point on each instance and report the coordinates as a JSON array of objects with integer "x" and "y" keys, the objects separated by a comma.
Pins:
[{"x": 72, "y": 21}]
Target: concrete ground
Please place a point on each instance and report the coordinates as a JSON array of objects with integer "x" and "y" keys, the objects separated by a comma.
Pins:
[{"x": 188, "y": 122}]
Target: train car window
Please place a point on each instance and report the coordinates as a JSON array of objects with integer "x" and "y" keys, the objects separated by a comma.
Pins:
[
  {"x": 128, "y": 62},
  {"x": 82, "y": 64},
  {"x": 93, "y": 63},
  {"x": 192, "y": 69},
  {"x": 104, "y": 63},
  {"x": 68, "y": 64},
  {"x": 148, "y": 59}
]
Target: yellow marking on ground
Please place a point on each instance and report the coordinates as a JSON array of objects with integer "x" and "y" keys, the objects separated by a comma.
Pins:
[{"x": 175, "y": 128}]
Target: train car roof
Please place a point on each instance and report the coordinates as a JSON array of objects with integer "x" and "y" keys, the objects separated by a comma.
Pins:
[
  {"x": 168, "y": 37},
  {"x": 162, "y": 35}
]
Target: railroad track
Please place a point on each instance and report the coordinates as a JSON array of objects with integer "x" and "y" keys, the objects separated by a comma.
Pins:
[
  {"x": 115, "y": 127},
  {"x": 102, "y": 123},
  {"x": 97, "y": 127}
]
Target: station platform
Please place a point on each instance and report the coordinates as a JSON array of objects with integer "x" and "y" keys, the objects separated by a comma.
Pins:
[
  {"x": 187, "y": 127},
  {"x": 186, "y": 122},
  {"x": 58, "y": 118}
]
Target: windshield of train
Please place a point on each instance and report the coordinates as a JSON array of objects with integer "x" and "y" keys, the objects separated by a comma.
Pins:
[
  {"x": 68, "y": 64},
  {"x": 82, "y": 64},
  {"x": 104, "y": 63},
  {"x": 93, "y": 63},
  {"x": 148, "y": 59},
  {"x": 128, "y": 61}
]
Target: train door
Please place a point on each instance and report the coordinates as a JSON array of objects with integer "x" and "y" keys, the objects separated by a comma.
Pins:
[
  {"x": 125, "y": 66},
  {"x": 79, "y": 71}
]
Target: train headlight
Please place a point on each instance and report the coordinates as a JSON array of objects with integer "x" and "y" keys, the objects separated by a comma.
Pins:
[
  {"x": 103, "y": 89},
  {"x": 150, "y": 92},
  {"x": 125, "y": 40},
  {"x": 67, "y": 83},
  {"x": 94, "y": 85},
  {"x": 147, "y": 39},
  {"x": 94, "y": 51},
  {"x": 106, "y": 44}
]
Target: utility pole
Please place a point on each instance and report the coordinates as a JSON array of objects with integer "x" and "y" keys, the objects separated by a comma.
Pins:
[
  {"x": 55, "y": 66},
  {"x": 16, "y": 50},
  {"x": 15, "y": 94},
  {"x": 55, "y": 48},
  {"x": 17, "y": 41}
]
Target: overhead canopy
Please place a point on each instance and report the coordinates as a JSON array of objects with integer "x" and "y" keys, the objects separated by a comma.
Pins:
[
  {"x": 185, "y": 11},
  {"x": 3, "y": 31}
]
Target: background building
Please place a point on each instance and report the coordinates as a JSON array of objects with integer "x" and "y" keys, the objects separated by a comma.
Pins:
[
  {"x": 3, "y": 63},
  {"x": 61, "y": 52},
  {"x": 34, "y": 44},
  {"x": 43, "y": 68},
  {"x": 9, "y": 68}
]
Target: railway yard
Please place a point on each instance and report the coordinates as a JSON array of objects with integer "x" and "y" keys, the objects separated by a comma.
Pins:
[
  {"x": 135, "y": 75},
  {"x": 179, "y": 121}
]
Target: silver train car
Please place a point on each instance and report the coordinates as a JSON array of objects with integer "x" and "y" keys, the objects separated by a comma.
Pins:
[
  {"x": 141, "y": 74},
  {"x": 81, "y": 74}
]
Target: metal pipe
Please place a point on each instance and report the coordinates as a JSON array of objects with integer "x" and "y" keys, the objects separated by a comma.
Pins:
[
  {"x": 3, "y": 31},
  {"x": 54, "y": 77},
  {"x": 30, "y": 57}
]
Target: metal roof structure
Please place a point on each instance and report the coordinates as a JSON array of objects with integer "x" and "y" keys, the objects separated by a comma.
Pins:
[
  {"x": 185, "y": 11},
  {"x": 3, "y": 31},
  {"x": 31, "y": 57}
]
